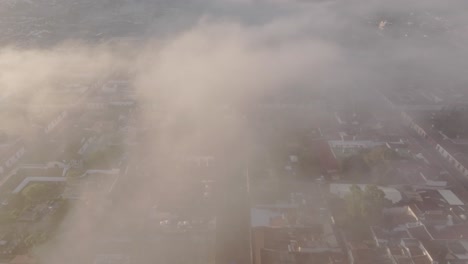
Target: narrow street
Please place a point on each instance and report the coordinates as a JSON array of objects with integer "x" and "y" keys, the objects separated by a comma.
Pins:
[{"x": 233, "y": 221}]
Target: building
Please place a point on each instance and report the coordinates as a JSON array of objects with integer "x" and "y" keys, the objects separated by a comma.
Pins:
[
  {"x": 410, "y": 251},
  {"x": 454, "y": 151},
  {"x": 293, "y": 232},
  {"x": 293, "y": 245},
  {"x": 360, "y": 253},
  {"x": 455, "y": 154}
]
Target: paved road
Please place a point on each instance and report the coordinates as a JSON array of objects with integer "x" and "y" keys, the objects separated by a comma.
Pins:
[
  {"x": 423, "y": 146},
  {"x": 233, "y": 221},
  {"x": 456, "y": 179}
]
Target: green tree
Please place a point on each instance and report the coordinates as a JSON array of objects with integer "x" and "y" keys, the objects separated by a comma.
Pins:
[
  {"x": 354, "y": 202},
  {"x": 103, "y": 158},
  {"x": 373, "y": 202},
  {"x": 35, "y": 192},
  {"x": 378, "y": 155},
  {"x": 16, "y": 201},
  {"x": 364, "y": 208},
  {"x": 8, "y": 217},
  {"x": 74, "y": 173},
  {"x": 35, "y": 239}
]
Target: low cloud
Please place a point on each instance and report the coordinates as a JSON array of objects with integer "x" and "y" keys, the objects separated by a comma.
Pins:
[
  {"x": 212, "y": 64},
  {"x": 221, "y": 63}
]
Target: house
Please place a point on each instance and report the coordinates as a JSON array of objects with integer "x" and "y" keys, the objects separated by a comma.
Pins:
[
  {"x": 419, "y": 231},
  {"x": 399, "y": 216},
  {"x": 410, "y": 251},
  {"x": 455, "y": 154},
  {"x": 453, "y": 150},
  {"x": 457, "y": 250},
  {"x": 451, "y": 261},
  {"x": 415, "y": 172},
  {"x": 438, "y": 207},
  {"x": 360, "y": 253},
  {"x": 294, "y": 232},
  {"x": 383, "y": 237},
  {"x": 450, "y": 232},
  {"x": 413, "y": 125},
  {"x": 293, "y": 245}
]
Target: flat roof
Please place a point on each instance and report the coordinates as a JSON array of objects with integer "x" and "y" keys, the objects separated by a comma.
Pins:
[{"x": 450, "y": 197}]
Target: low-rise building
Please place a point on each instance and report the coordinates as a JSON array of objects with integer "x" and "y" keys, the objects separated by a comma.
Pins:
[{"x": 293, "y": 232}]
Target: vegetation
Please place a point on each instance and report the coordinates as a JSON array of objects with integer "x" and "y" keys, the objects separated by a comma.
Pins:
[
  {"x": 35, "y": 239},
  {"x": 16, "y": 203},
  {"x": 8, "y": 216},
  {"x": 60, "y": 213},
  {"x": 103, "y": 158},
  {"x": 74, "y": 173},
  {"x": 368, "y": 160},
  {"x": 39, "y": 192},
  {"x": 378, "y": 155},
  {"x": 364, "y": 208},
  {"x": 35, "y": 192}
]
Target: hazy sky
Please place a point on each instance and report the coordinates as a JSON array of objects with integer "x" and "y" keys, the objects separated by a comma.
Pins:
[{"x": 232, "y": 52}]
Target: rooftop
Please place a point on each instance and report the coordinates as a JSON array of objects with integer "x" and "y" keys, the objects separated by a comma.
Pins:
[
  {"x": 459, "y": 231},
  {"x": 450, "y": 197},
  {"x": 419, "y": 232},
  {"x": 442, "y": 200},
  {"x": 397, "y": 216},
  {"x": 384, "y": 237},
  {"x": 364, "y": 254}
]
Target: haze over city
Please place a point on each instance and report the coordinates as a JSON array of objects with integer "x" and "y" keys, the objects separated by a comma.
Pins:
[{"x": 233, "y": 131}]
